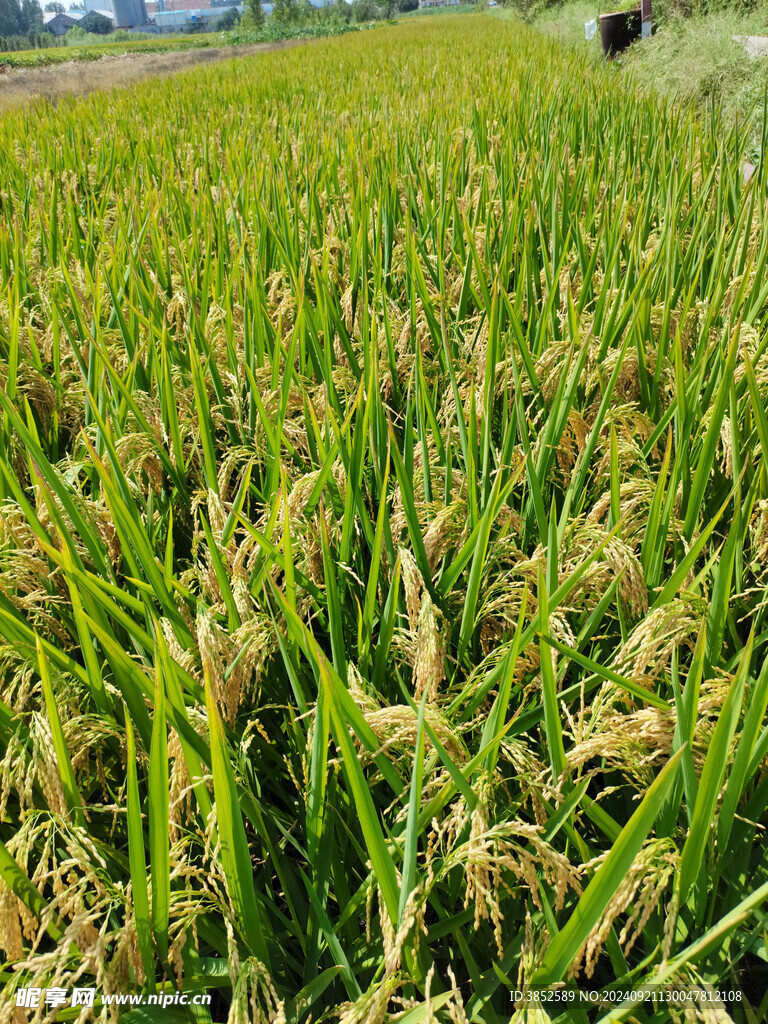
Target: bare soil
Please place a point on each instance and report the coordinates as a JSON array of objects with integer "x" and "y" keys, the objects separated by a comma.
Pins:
[{"x": 19, "y": 86}]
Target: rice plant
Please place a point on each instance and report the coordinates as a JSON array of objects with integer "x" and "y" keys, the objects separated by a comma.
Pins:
[{"x": 383, "y": 542}]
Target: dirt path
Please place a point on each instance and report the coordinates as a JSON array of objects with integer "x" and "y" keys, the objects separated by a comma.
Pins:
[{"x": 79, "y": 78}]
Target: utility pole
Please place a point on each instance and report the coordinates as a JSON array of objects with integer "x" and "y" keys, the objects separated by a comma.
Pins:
[{"x": 645, "y": 15}]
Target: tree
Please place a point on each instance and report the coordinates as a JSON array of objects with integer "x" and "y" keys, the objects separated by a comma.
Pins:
[
  {"x": 31, "y": 16},
  {"x": 10, "y": 18},
  {"x": 228, "y": 20},
  {"x": 55, "y": 8},
  {"x": 342, "y": 10},
  {"x": 254, "y": 14},
  {"x": 284, "y": 13},
  {"x": 366, "y": 10},
  {"x": 97, "y": 23}
]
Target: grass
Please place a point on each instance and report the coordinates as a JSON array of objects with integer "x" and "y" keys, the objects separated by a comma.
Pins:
[
  {"x": 383, "y": 466},
  {"x": 697, "y": 59}
]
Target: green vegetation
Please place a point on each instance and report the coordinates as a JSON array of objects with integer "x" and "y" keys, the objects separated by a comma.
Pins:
[
  {"x": 384, "y": 539},
  {"x": 414, "y": 11}
]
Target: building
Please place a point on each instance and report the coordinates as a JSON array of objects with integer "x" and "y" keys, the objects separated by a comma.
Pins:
[
  {"x": 60, "y": 24},
  {"x": 188, "y": 20}
]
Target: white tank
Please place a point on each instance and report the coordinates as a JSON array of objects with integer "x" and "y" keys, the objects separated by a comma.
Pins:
[{"x": 129, "y": 13}]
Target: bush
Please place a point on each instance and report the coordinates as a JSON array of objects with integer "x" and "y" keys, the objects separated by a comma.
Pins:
[
  {"x": 228, "y": 20},
  {"x": 272, "y": 32},
  {"x": 31, "y": 41},
  {"x": 77, "y": 37}
]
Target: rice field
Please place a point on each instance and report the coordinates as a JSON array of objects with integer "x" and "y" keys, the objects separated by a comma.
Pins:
[
  {"x": 384, "y": 543},
  {"x": 62, "y": 54}
]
